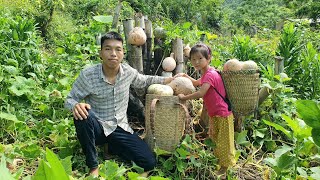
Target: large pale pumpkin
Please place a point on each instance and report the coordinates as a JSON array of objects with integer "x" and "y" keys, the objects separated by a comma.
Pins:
[
  {"x": 186, "y": 51},
  {"x": 169, "y": 64},
  {"x": 182, "y": 85},
  {"x": 160, "y": 89},
  {"x": 137, "y": 36},
  {"x": 249, "y": 65},
  {"x": 232, "y": 65}
]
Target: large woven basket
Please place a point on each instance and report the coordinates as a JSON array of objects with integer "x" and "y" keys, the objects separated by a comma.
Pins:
[
  {"x": 167, "y": 120},
  {"x": 242, "y": 88}
]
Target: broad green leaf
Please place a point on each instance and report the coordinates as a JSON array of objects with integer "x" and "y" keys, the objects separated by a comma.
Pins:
[
  {"x": 40, "y": 173},
  {"x": 182, "y": 152},
  {"x": 67, "y": 164},
  {"x": 4, "y": 171},
  {"x": 309, "y": 112},
  {"x": 9, "y": 117},
  {"x": 259, "y": 132},
  {"x": 168, "y": 164},
  {"x": 57, "y": 169},
  {"x": 278, "y": 127},
  {"x": 160, "y": 152},
  {"x": 286, "y": 161},
  {"x": 180, "y": 165},
  {"x": 111, "y": 169},
  {"x": 103, "y": 19},
  {"x": 270, "y": 161},
  {"x": 300, "y": 129},
  {"x": 133, "y": 175},
  {"x": 316, "y": 136},
  {"x": 241, "y": 138},
  {"x": 284, "y": 149}
]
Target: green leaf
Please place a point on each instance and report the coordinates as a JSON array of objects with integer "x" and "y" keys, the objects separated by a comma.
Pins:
[
  {"x": 67, "y": 164},
  {"x": 40, "y": 173},
  {"x": 158, "y": 178},
  {"x": 286, "y": 161},
  {"x": 168, "y": 164},
  {"x": 316, "y": 172},
  {"x": 316, "y": 136},
  {"x": 284, "y": 149},
  {"x": 133, "y": 175},
  {"x": 55, "y": 166},
  {"x": 241, "y": 138},
  {"x": 278, "y": 127},
  {"x": 4, "y": 171},
  {"x": 160, "y": 152},
  {"x": 182, "y": 152},
  {"x": 103, "y": 19},
  {"x": 309, "y": 112},
  {"x": 9, "y": 117},
  {"x": 300, "y": 129}
]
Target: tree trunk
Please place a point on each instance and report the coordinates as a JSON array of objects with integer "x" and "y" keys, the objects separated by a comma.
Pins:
[
  {"x": 148, "y": 54},
  {"x": 116, "y": 15}
]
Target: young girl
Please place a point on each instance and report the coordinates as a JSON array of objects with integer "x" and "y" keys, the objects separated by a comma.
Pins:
[{"x": 220, "y": 119}]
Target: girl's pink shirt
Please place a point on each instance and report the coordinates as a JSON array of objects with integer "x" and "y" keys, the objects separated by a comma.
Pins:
[{"x": 214, "y": 104}]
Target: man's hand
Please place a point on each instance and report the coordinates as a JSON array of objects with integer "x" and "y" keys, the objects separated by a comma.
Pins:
[
  {"x": 181, "y": 97},
  {"x": 80, "y": 111}
]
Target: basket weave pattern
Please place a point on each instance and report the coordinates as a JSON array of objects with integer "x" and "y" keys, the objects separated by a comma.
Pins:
[
  {"x": 165, "y": 124},
  {"x": 242, "y": 88}
]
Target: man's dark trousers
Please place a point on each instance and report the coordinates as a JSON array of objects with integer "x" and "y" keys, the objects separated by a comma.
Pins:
[{"x": 120, "y": 142}]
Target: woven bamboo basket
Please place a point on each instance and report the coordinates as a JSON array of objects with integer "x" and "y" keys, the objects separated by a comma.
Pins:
[
  {"x": 167, "y": 120},
  {"x": 242, "y": 88}
]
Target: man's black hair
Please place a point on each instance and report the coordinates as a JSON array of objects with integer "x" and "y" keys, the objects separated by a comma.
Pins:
[{"x": 111, "y": 35}]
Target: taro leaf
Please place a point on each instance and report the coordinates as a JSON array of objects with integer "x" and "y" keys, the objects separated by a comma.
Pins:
[
  {"x": 316, "y": 136},
  {"x": 286, "y": 161},
  {"x": 4, "y": 171},
  {"x": 278, "y": 127},
  {"x": 309, "y": 112},
  {"x": 40, "y": 173},
  {"x": 67, "y": 164},
  {"x": 103, "y": 19},
  {"x": 56, "y": 167}
]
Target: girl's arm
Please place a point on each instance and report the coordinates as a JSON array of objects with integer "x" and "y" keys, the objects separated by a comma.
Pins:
[
  {"x": 196, "y": 95},
  {"x": 195, "y": 82}
]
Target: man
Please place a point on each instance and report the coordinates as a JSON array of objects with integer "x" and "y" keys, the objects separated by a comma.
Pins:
[{"x": 102, "y": 118}]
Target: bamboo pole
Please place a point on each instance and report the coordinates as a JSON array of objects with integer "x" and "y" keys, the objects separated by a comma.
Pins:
[
  {"x": 178, "y": 53},
  {"x": 127, "y": 27}
]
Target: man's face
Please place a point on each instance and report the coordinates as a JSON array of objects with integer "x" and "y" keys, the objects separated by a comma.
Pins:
[{"x": 112, "y": 53}]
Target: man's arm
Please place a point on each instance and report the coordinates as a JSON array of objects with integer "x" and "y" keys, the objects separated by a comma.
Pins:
[{"x": 79, "y": 91}]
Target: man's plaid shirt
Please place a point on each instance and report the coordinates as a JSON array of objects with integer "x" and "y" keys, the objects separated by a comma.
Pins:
[{"x": 108, "y": 101}]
